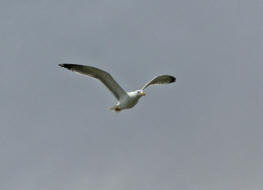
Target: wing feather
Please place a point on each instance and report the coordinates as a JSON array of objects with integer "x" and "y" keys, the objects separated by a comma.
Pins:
[
  {"x": 163, "y": 79},
  {"x": 99, "y": 74}
]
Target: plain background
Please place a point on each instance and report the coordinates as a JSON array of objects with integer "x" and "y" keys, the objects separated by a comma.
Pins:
[{"x": 203, "y": 132}]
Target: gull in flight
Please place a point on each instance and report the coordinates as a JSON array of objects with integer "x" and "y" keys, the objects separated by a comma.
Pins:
[{"x": 126, "y": 100}]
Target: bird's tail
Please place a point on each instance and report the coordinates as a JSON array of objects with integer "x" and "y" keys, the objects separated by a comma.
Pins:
[{"x": 115, "y": 108}]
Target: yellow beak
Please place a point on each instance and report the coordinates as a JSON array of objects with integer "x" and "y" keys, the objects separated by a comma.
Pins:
[{"x": 143, "y": 94}]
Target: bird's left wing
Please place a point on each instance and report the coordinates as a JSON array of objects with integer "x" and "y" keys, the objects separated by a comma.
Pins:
[
  {"x": 103, "y": 76},
  {"x": 163, "y": 79}
]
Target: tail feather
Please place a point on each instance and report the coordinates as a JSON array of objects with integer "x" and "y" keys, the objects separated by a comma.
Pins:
[{"x": 115, "y": 108}]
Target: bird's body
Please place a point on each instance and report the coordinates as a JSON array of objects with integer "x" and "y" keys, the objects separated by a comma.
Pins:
[{"x": 126, "y": 100}]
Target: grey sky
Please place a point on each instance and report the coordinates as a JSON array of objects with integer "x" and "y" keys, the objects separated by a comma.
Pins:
[{"x": 202, "y": 133}]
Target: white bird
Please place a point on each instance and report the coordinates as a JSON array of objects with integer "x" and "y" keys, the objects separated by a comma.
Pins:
[{"x": 126, "y": 100}]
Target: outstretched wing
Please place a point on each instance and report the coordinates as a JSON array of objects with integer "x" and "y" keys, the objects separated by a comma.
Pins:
[
  {"x": 103, "y": 76},
  {"x": 163, "y": 79}
]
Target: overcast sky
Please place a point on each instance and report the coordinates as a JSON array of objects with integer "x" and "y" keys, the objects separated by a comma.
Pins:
[{"x": 203, "y": 132}]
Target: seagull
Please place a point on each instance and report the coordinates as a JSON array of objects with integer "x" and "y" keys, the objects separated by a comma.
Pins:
[{"x": 126, "y": 100}]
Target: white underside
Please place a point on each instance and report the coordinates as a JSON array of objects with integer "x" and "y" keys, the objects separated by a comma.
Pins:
[{"x": 127, "y": 102}]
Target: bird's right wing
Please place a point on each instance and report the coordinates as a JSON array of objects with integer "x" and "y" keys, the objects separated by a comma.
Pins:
[
  {"x": 163, "y": 79},
  {"x": 103, "y": 76}
]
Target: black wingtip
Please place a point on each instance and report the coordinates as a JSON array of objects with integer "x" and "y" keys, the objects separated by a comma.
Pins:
[
  {"x": 173, "y": 79},
  {"x": 67, "y": 66}
]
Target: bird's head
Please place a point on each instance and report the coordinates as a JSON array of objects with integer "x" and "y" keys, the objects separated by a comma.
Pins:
[{"x": 140, "y": 93}]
